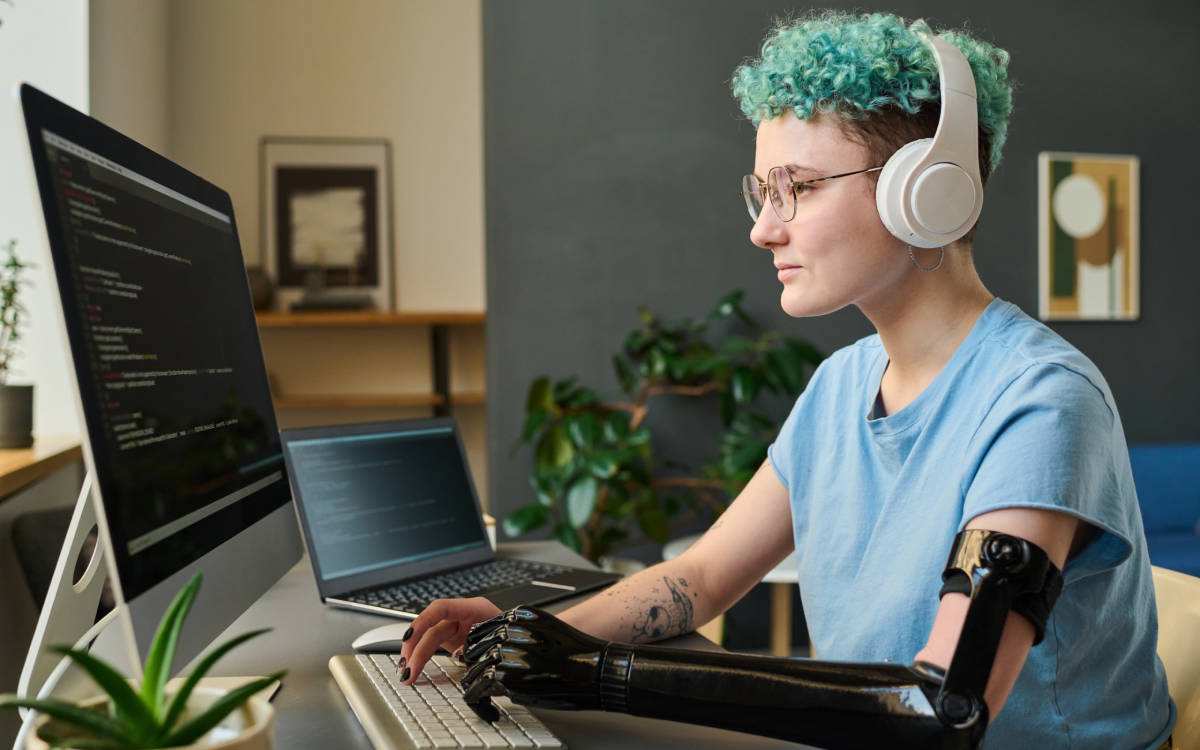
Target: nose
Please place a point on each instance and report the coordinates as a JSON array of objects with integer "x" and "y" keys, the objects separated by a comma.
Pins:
[{"x": 768, "y": 231}]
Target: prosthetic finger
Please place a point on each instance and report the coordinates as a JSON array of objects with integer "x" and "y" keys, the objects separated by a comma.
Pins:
[
  {"x": 502, "y": 634},
  {"x": 478, "y": 690}
]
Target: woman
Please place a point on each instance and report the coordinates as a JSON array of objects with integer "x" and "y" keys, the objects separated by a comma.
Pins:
[{"x": 960, "y": 414}]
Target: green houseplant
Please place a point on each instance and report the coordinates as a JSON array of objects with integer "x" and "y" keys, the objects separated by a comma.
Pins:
[
  {"x": 595, "y": 470},
  {"x": 16, "y": 401},
  {"x": 147, "y": 717}
]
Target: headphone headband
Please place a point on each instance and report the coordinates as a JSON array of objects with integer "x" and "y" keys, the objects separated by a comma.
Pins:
[{"x": 930, "y": 192}]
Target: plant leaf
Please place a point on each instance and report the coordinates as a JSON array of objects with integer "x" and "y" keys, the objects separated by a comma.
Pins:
[
  {"x": 745, "y": 385},
  {"x": 654, "y": 522},
  {"x": 624, "y": 374},
  {"x": 616, "y": 427},
  {"x": 162, "y": 648},
  {"x": 541, "y": 396},
  {"x": 226, "y": 704},
  {"x": 129, "y": 706},
  {"x": 581, "y": 501},
  {"x": 525, "y": 519},
  {"x": 78, "y": 743},
  {"x": 91, "y": 721},
  {"x": 567, "y": 536},
  {"x": 602, "y": 465},
  {"x": 641, "y": 436},
  {"x": 726, "y": 305},
  {"x": 533, "y": 422},
  {"x": 180, "y": 700},
  {"x": 554, "y": 450},
  {"x": 583, "y": 430},
  {"x": 805, "y": 351},
  {"x": 746, "y": 458}
]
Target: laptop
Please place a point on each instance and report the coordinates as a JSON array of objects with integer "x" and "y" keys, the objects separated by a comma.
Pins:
[{"x": 392, "y": 521}]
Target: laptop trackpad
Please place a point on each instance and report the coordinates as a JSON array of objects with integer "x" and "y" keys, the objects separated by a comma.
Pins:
[{"x": 528, "y": 593}]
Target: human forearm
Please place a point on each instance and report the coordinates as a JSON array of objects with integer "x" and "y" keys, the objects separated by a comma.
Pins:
[{"x": 662, "y": 601}]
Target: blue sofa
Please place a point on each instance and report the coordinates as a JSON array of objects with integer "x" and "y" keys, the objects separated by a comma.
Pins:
[{"x": 1167, "y": 476}]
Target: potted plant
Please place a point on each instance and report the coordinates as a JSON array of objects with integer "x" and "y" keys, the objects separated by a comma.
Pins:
[
  {"x": 16, "y": 401},
  {"x": 124, "y": 718},
  {"x": 595, "y": 468}
]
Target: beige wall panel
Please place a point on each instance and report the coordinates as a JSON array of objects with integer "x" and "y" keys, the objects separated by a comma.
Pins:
[
  {"x": 406, "y": 71},
  {"x": 468, "y": 363},
  {"x": 128, "y": 51},
  {"x": 348, "y": 361}
]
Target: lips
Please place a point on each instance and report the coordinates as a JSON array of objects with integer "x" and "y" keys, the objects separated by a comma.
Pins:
[{"x": 787, "y": 272}]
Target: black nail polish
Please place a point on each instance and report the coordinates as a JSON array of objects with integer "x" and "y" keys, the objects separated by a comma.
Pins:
[
  {"x": 404, "y": 675},
  {"x": 407, "y": 634},
  {"x": 402, "y": 662}
]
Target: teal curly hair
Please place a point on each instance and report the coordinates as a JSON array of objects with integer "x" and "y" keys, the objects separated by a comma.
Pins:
[{"x": 868, "y": 68}]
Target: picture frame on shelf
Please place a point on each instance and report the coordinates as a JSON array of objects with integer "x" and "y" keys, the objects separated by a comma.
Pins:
[
  {"x": 1089, "y": 259},
  {"x": 326, "y": 222}
]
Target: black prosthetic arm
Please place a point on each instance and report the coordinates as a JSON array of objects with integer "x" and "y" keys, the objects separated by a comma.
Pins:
[{"x": 538, "y": 660}]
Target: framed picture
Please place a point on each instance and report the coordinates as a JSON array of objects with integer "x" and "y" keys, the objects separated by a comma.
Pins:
[
  {"x": 1088, "y": 254},
  {"x": 326, "y": 221}
]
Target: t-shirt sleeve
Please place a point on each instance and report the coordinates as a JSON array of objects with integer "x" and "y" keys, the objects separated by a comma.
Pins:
[{"x": 1048, "y": 441}]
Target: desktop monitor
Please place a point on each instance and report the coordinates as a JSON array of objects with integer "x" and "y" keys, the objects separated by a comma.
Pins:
[{"x": 180, "y": 439}]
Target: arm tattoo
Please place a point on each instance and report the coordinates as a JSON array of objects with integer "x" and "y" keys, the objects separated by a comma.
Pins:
[{"x": 663, "y": 619}]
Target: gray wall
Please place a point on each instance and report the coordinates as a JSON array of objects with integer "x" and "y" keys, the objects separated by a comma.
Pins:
[{"x": 614, "y": 151}]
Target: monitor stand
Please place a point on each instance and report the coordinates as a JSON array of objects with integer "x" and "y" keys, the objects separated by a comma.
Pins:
[{"x": 68, "y": 616}]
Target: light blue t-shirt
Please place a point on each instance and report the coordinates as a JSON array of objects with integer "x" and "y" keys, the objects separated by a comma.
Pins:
[{"x": 1018, "y": 417}]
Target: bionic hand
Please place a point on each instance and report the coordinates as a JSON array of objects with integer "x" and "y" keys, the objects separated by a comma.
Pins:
[{"x": 538, "y": 660}]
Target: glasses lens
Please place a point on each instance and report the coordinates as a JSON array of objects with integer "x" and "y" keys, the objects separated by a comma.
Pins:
[
  {"x": 752, "y": 195},
  {"x": 779, "y": 187}
]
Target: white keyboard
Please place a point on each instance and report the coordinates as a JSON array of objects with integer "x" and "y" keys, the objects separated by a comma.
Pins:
[{"x": 433, "y": 713}]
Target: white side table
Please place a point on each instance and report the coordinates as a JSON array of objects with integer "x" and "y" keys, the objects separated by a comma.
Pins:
[{"x": 783, "y": 579}]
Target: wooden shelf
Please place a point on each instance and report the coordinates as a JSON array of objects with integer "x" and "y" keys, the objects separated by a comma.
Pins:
[
  {"x": 380, "y": 400},
  {"x": 310, "y": 319},
  {"x": 21, "y": 467}
]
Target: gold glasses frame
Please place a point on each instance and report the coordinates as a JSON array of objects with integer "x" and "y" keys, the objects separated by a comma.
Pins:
[{"x": 753, "y": 188}]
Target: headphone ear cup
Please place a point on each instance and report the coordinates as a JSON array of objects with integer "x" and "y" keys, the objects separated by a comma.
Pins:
[{"x": 889, "y": 191}]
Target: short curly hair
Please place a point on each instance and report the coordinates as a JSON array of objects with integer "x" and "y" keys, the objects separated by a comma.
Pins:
[{"x": 876, "y": 74}]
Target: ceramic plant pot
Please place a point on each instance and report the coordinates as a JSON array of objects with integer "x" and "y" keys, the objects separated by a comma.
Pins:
[
  {"x": 16, "y": 416},
  {"x": 250, "y": 727}
]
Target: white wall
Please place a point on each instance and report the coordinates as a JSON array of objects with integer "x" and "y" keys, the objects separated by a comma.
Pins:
[{"x": 43, "y": 42}]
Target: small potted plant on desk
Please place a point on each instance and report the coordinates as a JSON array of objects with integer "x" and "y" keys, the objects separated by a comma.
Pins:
[
  {"x": 16, "y": 401},
  {"x": 190, "y": 716}
]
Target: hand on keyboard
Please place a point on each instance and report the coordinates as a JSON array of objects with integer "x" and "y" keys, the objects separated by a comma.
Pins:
[
  {"x": 443, "y": 623},
  {"x": 533, "y": 658}
]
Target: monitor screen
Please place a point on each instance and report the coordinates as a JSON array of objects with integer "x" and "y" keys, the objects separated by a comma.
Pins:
[
  {"x": 382, "y": 499},
  {"x": 178, "y": 414}
]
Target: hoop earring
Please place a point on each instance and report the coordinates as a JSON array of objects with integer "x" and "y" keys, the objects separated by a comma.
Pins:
[{"x": 941, "y": 257}]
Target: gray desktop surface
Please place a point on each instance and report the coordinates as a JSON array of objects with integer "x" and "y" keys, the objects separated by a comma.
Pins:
[{"x": 310, "y": 709}]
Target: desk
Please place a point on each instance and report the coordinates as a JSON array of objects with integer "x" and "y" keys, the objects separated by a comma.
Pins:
[
  {"x": 310, "y": 709},
  {"x": 21, "y": 467}
]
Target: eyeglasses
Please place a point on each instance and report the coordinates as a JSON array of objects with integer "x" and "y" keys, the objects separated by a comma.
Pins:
[{"x": 783, "y": 191}]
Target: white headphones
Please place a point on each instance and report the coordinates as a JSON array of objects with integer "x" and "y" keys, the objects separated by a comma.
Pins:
[{"x": 929, "y": 193}]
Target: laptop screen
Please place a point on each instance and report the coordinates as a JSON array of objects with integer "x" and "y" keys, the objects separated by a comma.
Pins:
[{"x": 382, "y": 499}]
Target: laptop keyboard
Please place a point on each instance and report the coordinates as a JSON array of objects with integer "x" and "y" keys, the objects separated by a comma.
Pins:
[
  {"x": 434, "y": 715},
  {"x": 415, "y": 596}
]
